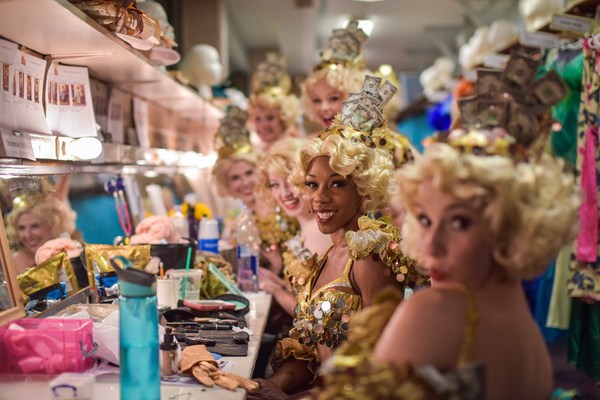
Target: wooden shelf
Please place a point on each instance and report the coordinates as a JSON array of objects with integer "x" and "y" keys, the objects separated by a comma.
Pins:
[{"x": 58, "y": 29}]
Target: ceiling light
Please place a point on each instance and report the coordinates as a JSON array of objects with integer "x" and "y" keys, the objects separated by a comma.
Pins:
[{"x": 363, "y": 23}]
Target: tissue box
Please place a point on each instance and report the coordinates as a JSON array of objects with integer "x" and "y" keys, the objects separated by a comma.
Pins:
[{"x": 46, "y": 346}]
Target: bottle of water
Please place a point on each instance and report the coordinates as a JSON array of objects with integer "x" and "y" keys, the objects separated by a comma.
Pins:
[
  {"x": 208, "y": 236},
  {"x": 138, "y": 333},
  {"x": 248, "y": 250}
]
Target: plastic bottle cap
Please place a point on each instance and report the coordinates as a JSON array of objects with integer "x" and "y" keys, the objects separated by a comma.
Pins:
[
  {"x": 133, "y": 282},
  {"x": 168, "y": 342}
]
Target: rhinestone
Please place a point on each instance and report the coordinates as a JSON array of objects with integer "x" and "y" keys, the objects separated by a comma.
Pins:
[
  {"x": 318, "y": 314},
  {"x": 326, "y": 306}
]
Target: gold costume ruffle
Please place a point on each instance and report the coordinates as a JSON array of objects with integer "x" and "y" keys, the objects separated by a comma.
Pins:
[
  {"x": 276, "y": 228},
  {"x": 291, "y": 348},
  {"x": 380, "y": 239},
  {"x": 298, "y": 270}
]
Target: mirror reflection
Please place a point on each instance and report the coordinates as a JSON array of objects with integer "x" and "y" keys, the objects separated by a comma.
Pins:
[
  {"x": 5, "y": 298},
  {"x": 49, "y": 218}
]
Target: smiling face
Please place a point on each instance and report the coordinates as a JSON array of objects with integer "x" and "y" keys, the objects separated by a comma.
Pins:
[
  {"x": 454, "y": 242},
  {"x": 241, "y": 179},
  {"x": 268, "y": 124},
  {"x": 33, "y": 231},
  {"x": 334, "y": 200},
  {"x": 282, "y": 192},
  {"x": 326, "y": 102}
]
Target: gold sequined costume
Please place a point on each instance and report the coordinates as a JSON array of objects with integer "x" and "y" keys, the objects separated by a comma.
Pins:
[
  {"x": 321, "y": 317},
  {"x": 275, "y": 229},
  {"x": 353, "y": 374}
]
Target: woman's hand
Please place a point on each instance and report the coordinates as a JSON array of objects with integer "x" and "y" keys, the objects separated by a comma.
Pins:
[
  {"x": 266, "y": 391},
  {"x": 267, "y": 285},
  {"x": 267, "y": 274},
  {"x": 273, "y": 256}
]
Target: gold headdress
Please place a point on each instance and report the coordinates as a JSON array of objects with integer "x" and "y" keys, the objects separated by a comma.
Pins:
[
  {"x": 271, "y": 76},
  {"x": 30, "y": 191},
  {"x": 509, "y": 113},
  {"x": 362, "y": 118},
  {"x": 232, "y": 136},
  {"x": 344, "y": 47}
]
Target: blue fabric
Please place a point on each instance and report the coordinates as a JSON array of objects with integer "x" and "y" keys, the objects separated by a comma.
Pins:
[
  {"x": 416, "y": 129},
  {"x": 440, "y": 115},
  {"x": 538, "y": 292},
  {"x": 97, "y": 218}
]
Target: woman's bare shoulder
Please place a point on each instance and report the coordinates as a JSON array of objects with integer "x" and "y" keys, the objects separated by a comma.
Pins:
[{"x": 430, "y": 323}]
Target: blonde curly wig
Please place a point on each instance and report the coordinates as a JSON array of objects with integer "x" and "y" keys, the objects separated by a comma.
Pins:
[
  {"x": 280, "y": 159},
  {"x": 221, "y": 168},
  {"x": 55, "y": 212},
  {"x": 344, "y": 79},
  {"x": 287, "y": 105},
  {"x": 371, "y": 170},
  {"x": 531, "y": 207}
]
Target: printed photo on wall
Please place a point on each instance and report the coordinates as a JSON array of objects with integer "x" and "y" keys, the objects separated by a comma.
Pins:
[
  {"x": 53, "y": 93},
  {"x": 21, "y": 85},
  {"x": 5, "y": 77},
  {"x": 29, "y": 88},
  {"x": 63, "y": 94},
  {"x": 36, "y": 90},
  {"x": 78, "y": 94}
]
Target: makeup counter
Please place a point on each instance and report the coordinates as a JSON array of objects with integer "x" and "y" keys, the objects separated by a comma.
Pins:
[{"x": 107, "y": 385}]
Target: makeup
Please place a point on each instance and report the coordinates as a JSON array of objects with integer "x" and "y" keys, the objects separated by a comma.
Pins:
[{"x": 168, "y": 350}]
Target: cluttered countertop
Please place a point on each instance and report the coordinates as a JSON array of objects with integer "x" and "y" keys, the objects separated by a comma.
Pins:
[{"x": 177, "y": 387}]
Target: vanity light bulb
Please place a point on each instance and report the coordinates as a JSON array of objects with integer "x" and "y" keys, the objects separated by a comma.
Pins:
[
  {"x": 208, "y": 160},
  {"x": 86, "y": 148}
]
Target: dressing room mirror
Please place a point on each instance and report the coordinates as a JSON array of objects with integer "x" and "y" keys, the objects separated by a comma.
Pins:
[
  {"x": 89, "y": 213},
  {"x": 10, "y": 306}
]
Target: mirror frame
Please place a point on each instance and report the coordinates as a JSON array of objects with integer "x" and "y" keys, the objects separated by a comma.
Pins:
[{"x": 6, "y": 260}]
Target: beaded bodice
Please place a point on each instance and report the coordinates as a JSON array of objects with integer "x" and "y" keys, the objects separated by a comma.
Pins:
[{"x": 322, "y": 316}]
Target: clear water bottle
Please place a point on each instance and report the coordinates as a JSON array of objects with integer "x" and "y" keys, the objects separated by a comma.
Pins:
[
  {"x": 138, "y": 333},
  {"x": 248, "y": 250}
]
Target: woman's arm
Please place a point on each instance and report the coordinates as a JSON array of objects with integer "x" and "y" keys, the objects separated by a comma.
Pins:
[
  {"x": 369, "y": 277},
  {"x": 278, "y": 288}
]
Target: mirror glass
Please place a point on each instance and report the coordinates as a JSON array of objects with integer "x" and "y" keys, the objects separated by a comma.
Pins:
[
  {"x": 10, "y": 306},
  {"x": 87, "y": 208}
]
